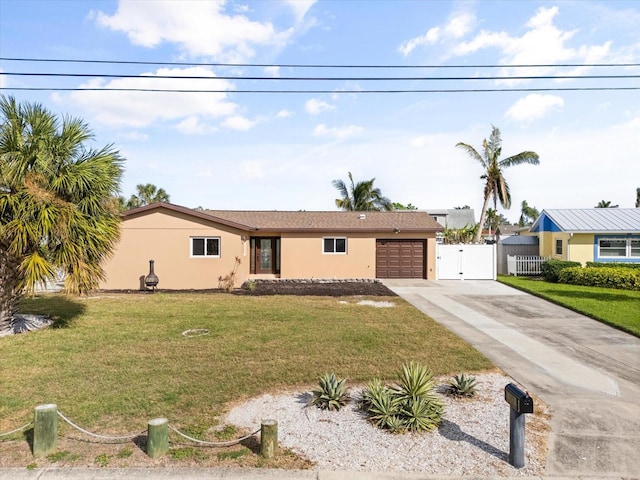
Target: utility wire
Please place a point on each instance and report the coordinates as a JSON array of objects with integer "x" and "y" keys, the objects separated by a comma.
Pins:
[
  {"x": 298, "y": 65},
  {"x": 337, "y": 92},
  {"x": 337, "y": 79}
]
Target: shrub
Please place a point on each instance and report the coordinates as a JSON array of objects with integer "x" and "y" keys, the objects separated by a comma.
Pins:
[
  {"x": 621, "y": 278},
  {"x": 633, "y": 266},
  {"x": 462, "y": 386},
  {"x": 551, "y": 269},
  {"x": 410, "y": 405},
  {"x": 331, "y": 393}
]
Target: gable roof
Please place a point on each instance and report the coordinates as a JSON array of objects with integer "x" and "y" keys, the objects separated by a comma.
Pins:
[
  {"x": 303, "y": 221},
  {"x": 284, "y": 221},
  {"x": 589, "y": 220}
]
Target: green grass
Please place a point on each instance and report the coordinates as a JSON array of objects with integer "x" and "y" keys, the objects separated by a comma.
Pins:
[
  {"x": 618, "y": 308},
  {"x": 117, "y": 361}
]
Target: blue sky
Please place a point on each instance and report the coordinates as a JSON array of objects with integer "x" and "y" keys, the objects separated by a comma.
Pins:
[{"x": 232, "y": 150}]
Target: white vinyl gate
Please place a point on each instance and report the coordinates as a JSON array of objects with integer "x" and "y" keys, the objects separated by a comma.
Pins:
[{"x": 466, "y": 262}]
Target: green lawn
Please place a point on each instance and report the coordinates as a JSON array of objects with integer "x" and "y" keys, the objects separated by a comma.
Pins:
[
  {"x": 619, "y": 308},
  {"x": 116, "y": 361}
]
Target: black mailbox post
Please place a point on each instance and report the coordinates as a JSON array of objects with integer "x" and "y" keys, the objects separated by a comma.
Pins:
[{"x": 520, "y": 403}]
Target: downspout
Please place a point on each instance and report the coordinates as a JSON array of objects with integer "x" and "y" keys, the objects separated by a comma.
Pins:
[{"x": 569, "y": 246}]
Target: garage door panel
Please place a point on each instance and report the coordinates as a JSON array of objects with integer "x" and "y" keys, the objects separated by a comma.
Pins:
[{"x": 400, "y": 259}]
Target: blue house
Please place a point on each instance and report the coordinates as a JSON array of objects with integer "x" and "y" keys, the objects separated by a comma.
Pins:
[{"x": 589, "y": 234}]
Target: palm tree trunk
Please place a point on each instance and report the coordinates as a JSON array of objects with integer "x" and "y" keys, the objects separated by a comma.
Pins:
[
  {"x": 483, "y": 215},
  {"x": 10, "y": 293}
]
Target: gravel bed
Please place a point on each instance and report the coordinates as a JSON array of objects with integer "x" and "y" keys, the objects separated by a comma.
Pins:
[{"x": 473, "y": 439}]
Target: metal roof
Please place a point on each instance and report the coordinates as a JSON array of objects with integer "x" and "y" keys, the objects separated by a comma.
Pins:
[{"x": 588, "y": 220}]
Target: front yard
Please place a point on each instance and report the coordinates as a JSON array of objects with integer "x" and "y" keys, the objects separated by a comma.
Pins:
[{"x": 119, "y": 360}]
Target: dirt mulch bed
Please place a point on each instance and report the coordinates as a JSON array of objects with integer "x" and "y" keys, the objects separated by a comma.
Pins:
[{"x": 318, "y": 288}]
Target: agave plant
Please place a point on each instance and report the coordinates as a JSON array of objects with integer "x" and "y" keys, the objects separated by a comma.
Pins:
[
  {"x": 462, "y": 386},
  {"x": 416, "y": 381},
  {"x": 331, "y": 393},
  {"x": 410, "y": 405}
]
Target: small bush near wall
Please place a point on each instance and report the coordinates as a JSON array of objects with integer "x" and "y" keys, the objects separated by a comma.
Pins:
[
  {"x": 551, "y": 269},
  {"x": 633, "y": 266},
  {"x": 621, "y": 278}
]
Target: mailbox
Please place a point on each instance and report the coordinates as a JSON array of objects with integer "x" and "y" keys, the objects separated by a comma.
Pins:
[{"x": 519, "y": 400}]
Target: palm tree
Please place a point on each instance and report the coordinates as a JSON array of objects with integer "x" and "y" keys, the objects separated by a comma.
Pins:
[
  {"x": 58, "y": 203},
  {"x": 605, "y": 204},
  {"x": 637, "y": 197},
  {"x": 361, "y": 196},
  {"x": 147, "y": 194},
  {"x": 496, "y": 186},
  {"x": 528, "y": 214}
]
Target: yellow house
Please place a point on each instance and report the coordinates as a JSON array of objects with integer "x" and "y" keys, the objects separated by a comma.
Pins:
[
  {"x": 589, "y": 234},
  {"x": 194, "y": 249}
]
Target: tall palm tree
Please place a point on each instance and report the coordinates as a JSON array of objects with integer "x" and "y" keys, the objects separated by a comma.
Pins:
[
  {"x": 605, "y": 204},
  {"x": 58, "y": 207},
  {"x": 147, "y": 194},
  {"x": 361, "y": 196},
  {"x": 496, "y": 186},
  {"x": 528, "y": 214},
  {"x": 637, "y": 197}
]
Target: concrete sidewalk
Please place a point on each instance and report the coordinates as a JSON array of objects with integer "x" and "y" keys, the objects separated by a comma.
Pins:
[
  {"x": 588, "y": 373},
  {"x": 238, "y": 474}
]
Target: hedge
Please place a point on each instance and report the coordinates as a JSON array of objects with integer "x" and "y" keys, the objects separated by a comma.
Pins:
[
  {"x": 635, "y": 266},
  {"x": 621, "y": 278},
  {"x": 551, "y": 269}
]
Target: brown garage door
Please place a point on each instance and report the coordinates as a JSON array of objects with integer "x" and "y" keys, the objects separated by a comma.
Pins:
[{"x": 400, "y": 259}]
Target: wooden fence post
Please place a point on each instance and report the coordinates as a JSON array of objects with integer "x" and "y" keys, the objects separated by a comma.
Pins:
[
  {"x": 269, "y": 438},
  {"x": 45, "y": 430},
  {"x": 157, "y": 437}
]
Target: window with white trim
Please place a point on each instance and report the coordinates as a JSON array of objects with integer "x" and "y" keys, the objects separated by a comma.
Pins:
[
  {"x": 205, "y": 246},
  {"x": 334, "y": 245},
  {"x": 619, "y": 248}
]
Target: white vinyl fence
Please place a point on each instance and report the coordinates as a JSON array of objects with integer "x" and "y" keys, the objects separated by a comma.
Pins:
[
  {"x": 524, "y": 265},
  {"x": 466, "y": 262}
]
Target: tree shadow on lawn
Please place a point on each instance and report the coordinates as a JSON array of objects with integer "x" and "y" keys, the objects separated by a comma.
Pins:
[{"x": 61, "y": 309}]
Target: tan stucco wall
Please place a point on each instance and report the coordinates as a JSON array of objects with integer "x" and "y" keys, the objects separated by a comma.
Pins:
[
  {"x": 581, "y": 248},
  {"x": 165, "y": 238},
  {"x": 577, "y": 247}
]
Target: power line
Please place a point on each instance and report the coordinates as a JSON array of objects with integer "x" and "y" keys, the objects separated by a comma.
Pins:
[
  {"x": 451, "y": 90},
  {"x": 356, "y": 79},
  {"x": 299, "y": 65}
]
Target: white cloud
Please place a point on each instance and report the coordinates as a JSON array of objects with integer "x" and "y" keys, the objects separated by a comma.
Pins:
[
  {"x": 238, "y": 122},
  {"x": 199, "y": 28},
  {"x": 284, "y": 114},
  {"x": 272, "y": 71},
  {"x": 315, "y": 106},
  {"x": 300, "y": 7},
  {"x": 458, "y": 26},
  {"x": 139, "y": 109},
  {"x": 542, "y": 43},
  {"x": 534, "y": 106},
  {"x": 337, "y": 132},
  {"x": 193, "y": 126}
]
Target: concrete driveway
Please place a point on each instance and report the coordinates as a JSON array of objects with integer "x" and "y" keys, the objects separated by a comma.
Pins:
[{"x": 588, "y": 373}]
